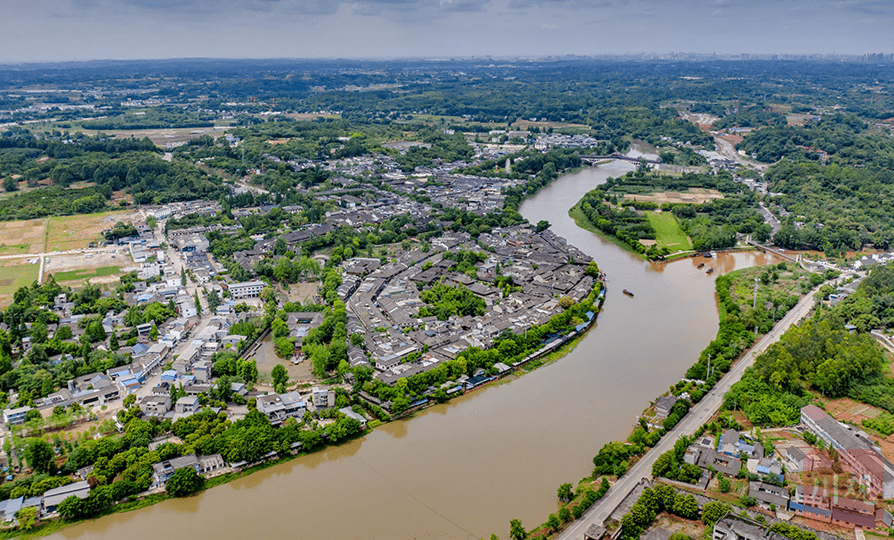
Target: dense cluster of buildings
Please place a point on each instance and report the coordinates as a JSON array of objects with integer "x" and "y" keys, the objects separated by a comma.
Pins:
[{"x": 867, "y": 474}]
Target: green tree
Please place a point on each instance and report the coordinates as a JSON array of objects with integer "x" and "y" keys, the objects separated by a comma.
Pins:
[
  {"x": 153, "y": 332},
  {"x": 27, "y": 517},
  {"x": 129, "y": 400},
  {"x": 566, "y": 492},
  {"x": 39, "y": 455},
  {"x": 198, "y": 304},
  {"x": 553, "y": 522},
  {"x": 712, "y": 511},
  {"x": 183, "y": 482},
  {"x": 516, "y": 530},
  {"x": 724, "y": 484},
  {"x": 686, "y": 507},
  {"x": 280, "y": 377},
  {"x": 565, "y": 514}
]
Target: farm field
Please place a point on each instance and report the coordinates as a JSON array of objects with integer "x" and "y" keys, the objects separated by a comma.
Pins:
[
  {"x": 76, "y": 232},
  {"x": 668, "y": 232},
  {"x": 15, "y": 273},
  {"x": 21, "y": 237},
  {"x": 691, "y": 196}
]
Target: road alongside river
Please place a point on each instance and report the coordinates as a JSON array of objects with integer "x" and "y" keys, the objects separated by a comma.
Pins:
[{"x": 697, "y": 416}]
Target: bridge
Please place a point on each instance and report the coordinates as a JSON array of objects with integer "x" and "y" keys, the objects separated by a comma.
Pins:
[{"x": 594, "y": 159}]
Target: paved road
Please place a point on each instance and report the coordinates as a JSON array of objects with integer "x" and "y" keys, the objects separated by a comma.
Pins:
[{"x": 697, "y": 416}]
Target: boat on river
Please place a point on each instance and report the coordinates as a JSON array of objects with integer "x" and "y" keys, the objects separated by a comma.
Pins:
[
  {"x": 710, "y": 271},
  {"x": 700, "y": 266},
  {"x": 628, "y": 293}
]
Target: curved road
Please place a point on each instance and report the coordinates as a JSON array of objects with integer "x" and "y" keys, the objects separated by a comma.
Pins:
[{"x": 698, "y": 415}]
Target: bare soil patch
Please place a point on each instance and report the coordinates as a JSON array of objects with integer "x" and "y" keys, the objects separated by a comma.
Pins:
[
  {"x": 848, "y": 410},
  {"x": 693, "y": 196}
]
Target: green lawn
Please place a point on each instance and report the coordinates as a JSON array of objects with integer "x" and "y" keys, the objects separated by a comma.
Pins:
[
  {"x": 78, "y": 275},
  {"x": 668, "y": 232},
  {"x": 14, "y": 277}
]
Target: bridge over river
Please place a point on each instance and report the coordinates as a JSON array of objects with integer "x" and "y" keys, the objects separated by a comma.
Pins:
[{"x": 595, "y": 159}]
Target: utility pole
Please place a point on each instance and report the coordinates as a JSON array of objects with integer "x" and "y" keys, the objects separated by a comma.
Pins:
[{"x": 708, "y": 373}]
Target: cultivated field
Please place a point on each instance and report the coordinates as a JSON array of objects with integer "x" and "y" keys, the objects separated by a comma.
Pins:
[
  {"x": 692, "y": 196},
  {"x": 16, "y": 273},
  {"x": 17, "y": 237},
  {"x": 76, "y": 232}
]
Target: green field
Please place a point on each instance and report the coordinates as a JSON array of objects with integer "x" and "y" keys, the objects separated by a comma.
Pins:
[
  {"x": 87, "y": 273},
  {"x": 668, "y": 232},
  {"x": 14, "y": 276}
]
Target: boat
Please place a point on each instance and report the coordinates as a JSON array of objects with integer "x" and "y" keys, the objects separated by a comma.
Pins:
[
  {"x": 700, "y": 266},
  {"x": 707, "y": 255},
  {"x": 710, "y": 271},
  {"x": 628, "y": 293}
]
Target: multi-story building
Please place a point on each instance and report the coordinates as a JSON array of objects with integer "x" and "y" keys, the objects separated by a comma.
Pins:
[
  {"x": 858, "y": 453},
  {"x": 247, "y": 289}
]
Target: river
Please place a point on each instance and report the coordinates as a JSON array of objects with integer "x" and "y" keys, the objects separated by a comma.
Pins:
[{"x": 465, "y": 468}]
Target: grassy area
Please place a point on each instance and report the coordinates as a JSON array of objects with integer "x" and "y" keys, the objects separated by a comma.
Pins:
[
  {"x": 17, "y": 275},
  {"x": 86, "y": 273},
  {"x": 668, "y": 232},
  {"x": 76, "y": 232},
  {"x": 14, "y": 275},
  {"x": 14, "y": 249}
]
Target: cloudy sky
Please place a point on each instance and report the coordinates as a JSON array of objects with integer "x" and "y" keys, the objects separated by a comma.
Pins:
[{"x": 56, "y": 30}]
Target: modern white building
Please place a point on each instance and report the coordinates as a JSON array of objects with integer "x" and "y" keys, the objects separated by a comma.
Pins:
[{"x": 247, "y": 289}]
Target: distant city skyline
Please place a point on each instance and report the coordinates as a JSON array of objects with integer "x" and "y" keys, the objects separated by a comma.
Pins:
[{"x": 65, "y": 30}]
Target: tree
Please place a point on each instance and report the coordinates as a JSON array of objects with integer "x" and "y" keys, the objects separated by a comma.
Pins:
[
  {"x": 542, "y": 225},
  {"x": 279, "y": 328},
  {"x": 280, "y": 377},
  {"x": 213, "y": 300},
  {"x": 153, "y": 332},
  {"x": 113, "y": 341},
  {"x": 712, "y": 511},
  {"x": 129, "y": 400},
  {"x": 553, "y": 522},
  {"x": 566, "y": 493},
  {"x": 565, "y": 514},
  {"x": 73, "y": 508},
  {"x": 686, "y": 507},
  {"x": 516, "y": 530},
  {"x": 39, "y": 455},
  {"x": 198, "y": 304},
  {"x": 27, "y": 517},
  {"x": 723, "y": 484},
  {"x": 10, "y": 184},
  {"x": 183, "y": 482},
  {"x": 183, "y": 276}
]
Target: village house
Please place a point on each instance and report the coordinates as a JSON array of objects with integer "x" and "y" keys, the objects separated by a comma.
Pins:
[
  {"x": 279, "y": 407},
  {"x": 203, "y": 465}
]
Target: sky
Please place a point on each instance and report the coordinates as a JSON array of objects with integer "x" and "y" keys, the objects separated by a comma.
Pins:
[{"x": 62, "y": 30}]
